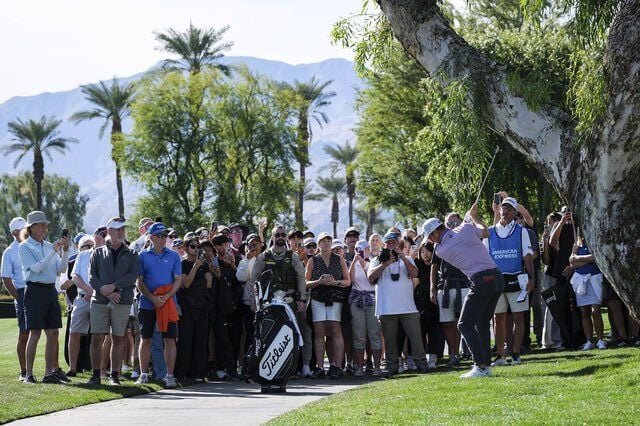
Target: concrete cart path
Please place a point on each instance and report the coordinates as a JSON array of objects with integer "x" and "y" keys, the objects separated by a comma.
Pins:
[{"x": 208, "y": 403}]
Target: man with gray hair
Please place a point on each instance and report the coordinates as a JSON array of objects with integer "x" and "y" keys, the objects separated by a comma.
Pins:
[
  {"x": 42, "y": 262},
  {"x": 14, "y": 282}
]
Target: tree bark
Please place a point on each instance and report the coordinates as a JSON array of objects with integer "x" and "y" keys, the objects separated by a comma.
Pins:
[
  {"x": 116, "y": 130},
  {"x": 598, "y": 179}
]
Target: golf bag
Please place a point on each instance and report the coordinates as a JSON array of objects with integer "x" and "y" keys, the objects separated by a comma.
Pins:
[{"x": 273, "y": 357}]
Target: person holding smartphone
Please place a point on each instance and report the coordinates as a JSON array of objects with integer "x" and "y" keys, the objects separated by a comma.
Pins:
[{"x": 42, "y": 262}]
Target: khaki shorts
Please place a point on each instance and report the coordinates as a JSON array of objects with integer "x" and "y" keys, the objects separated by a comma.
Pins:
[
  {"x": 109, "y": 318},
  {"x": 508, "y": 300},
  {"x": 449, "y": 314},
  {"x": 80, "y": 319}
]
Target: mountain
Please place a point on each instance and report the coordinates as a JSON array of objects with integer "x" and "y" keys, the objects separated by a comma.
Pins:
[{"x": 89, "y": 164}]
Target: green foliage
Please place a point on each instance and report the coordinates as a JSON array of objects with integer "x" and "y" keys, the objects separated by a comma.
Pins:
[
  {"x": 215, "y": 147},
  {"x": 63, "y": 204},
  {"x": 587, "y": 92}
]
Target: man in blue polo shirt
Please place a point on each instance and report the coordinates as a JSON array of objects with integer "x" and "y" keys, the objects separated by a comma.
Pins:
[
  {"x": 42, "y": 262},
  {"x": 13, "y": 280},
  {"x": 159, "y": 280}
]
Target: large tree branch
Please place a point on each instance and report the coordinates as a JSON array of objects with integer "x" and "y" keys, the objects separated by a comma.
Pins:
[{"x": 543, "y": 136}]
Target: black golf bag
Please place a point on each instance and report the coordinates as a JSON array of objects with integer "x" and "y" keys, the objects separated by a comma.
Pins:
[{"x": 273, "y": 357}]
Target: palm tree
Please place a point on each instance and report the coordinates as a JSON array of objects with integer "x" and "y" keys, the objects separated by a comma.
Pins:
[
  {"x": 371, "y": 217},
  {"x": 344, "y": 157},
  {"x": 312, "y": 98},
  {"x": 196, "y": 48},
  {"x": 111, "y": 103},
  {"x": 41, "y": 137},
  {"x": 331, "y": 187}
]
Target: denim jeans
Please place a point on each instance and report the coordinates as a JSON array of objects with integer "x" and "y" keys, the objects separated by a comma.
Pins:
[{"x": 157, "y": 356}]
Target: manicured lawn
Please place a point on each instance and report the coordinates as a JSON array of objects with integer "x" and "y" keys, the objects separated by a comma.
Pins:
[
  {"x": 592, "y": 387},
  {"x": 19, "y": 400}
]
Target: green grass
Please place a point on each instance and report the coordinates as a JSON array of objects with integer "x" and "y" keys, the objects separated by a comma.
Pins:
[
  {"x": 19, "y": 400},
  {"x": 592, "y": 387}
]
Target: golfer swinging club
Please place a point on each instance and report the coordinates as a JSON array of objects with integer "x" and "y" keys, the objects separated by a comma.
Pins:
[{"x": 462, "y": 247}]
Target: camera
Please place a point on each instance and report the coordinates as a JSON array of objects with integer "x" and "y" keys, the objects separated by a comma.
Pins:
[
  {"x": 395, "y": 277},
  {"x": 201, "y": 254},
  {"x": 385, "y": 255},
  {"x": 65, "y": 233}
]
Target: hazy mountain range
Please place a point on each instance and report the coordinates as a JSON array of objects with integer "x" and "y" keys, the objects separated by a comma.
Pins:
[{"x": 88, "y": 162}]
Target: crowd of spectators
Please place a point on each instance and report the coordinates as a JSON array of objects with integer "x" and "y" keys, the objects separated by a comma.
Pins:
[{"x": 172, "y": 307}]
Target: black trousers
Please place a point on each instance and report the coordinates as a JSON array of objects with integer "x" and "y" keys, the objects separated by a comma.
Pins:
[
  {"x": 223, "y": 351},
  {"x": 193, "y": 332},
  {"x": 248, "y": 318}
]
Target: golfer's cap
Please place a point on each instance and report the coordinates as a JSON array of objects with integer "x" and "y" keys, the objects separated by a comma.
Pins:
[
  {"x": 390, "y": 236},
  {"x": 116, "y": 223},
  {"x": 308, "y": 241},
  {"x": 351, "y": 230},
  {"x": 430, "y": 225},
  {"x": 362, "y": 244},
  {"x": 337, "y": 243}
]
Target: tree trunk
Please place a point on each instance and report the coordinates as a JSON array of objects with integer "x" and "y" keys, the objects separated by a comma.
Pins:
[
  {"x": 116, "y": 131},
  {"x": 335, "y": 215},
  {"x": 303, "y": 161},
  {"x": 371, "y": 221},
  {"x": 351, "y": 193},
  {"x": 38, "y": 176},
  {"x": 597, "y": 179}
]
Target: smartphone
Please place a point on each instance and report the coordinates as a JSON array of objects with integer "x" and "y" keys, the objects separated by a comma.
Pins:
[
  {"x": 497, "y": 199},
  {"x": 215, "y": 261},
  {"x": 201, "y": 255},
  {"x": 65, "y": 233}
]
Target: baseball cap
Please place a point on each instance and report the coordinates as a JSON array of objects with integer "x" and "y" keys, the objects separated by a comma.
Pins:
[
  {"x": 337, "y": 243},
  {"x": 350, "y": 230},
  {"x": 390, "y": 236},
  {"x": 510, "y": 201},
  {"x": 100, "y": 230},
  {"x": 116, "y": 223},
  {"x": 176, "y": 242},
  {"x": 295, "y": 233},
  {"x": 77, "y": 238},
  {"x": 309, "y": 241},
  {"x": 430, "y": 225},
  {"x": 323, "y": 235},
  {"x": 16, "y": 224},
  {"x": 308, "y": 233},
  {"x": 85, "y": 239},
  {"x": 157, "y": 228},
  {"x": 362, "y": 244}
]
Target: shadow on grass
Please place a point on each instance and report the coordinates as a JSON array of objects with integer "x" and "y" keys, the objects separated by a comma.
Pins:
[
  {"x": 578, "y": 356},
  {"x": 581, "y": 372}
]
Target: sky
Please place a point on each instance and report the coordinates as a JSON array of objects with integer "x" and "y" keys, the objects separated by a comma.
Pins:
[{"x": 50, "y": 46}]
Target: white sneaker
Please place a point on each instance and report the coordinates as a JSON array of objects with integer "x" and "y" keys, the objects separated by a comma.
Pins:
[
  {"x": 588, "y": 346},
  {"x": 476, "y": 372},
  {"x": 601, "y": 344},
  {"x": 170, "y": 382},
  {"x": 499, "y": 361},
  {"x": 143, "y": 379},
  {"x": 134, "y": 375}
]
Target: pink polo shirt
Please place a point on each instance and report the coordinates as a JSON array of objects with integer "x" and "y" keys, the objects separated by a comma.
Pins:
[{"x": 463, "y": 248}]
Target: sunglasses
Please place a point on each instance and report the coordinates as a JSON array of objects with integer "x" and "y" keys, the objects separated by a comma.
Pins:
[
  {"x": 353, "y": 235},
  {"x": 103, "y": 234},
  {"x": 161, "y": 235},
  {"x": 311, "y": 247},
  {"x": 280, "y": 235},
  {"x": 87, "y": 246},
  {"x": 193, "y": 246},
  {"x": 173, "y": 235}
]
